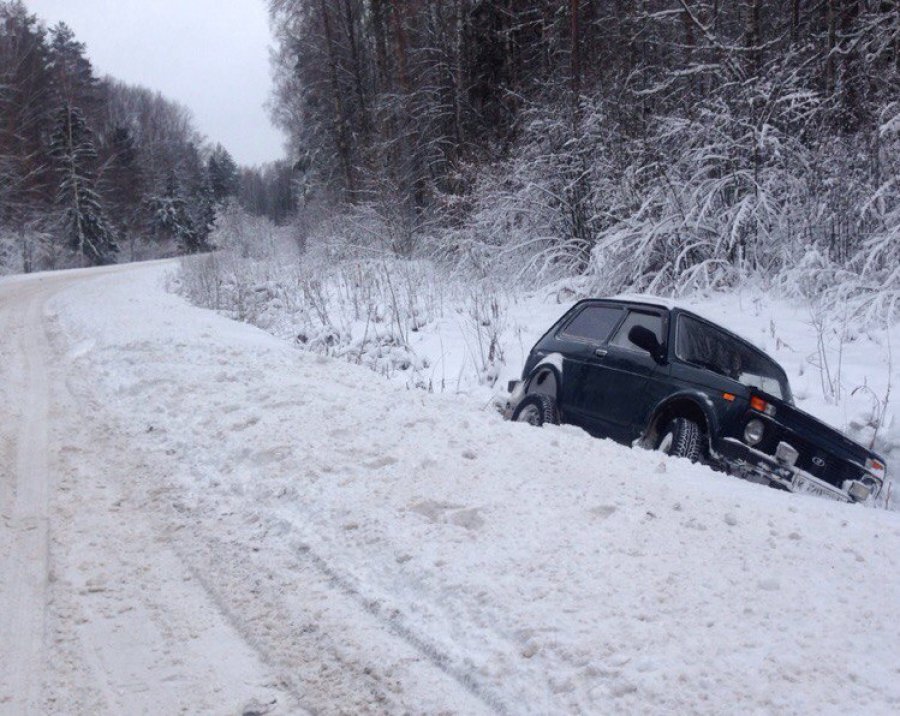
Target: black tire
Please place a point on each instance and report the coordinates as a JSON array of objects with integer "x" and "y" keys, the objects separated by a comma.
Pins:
[
  {"x": 537, "y": 409},
  {"x": 682, "y": 438}
]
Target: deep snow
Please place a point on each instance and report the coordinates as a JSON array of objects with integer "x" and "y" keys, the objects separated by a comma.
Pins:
[{"x": 383, "y": 549}]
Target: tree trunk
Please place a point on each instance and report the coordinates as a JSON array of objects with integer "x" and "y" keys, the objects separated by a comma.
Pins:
[
  {"x": 754, "y": 37},
  {"x": 831, "y": 29},
  {"x": 689, "y": 44},
  {"x": 850, "y": 104},
  {"x": 353, "y": 43},
  {"x": 459, "y": 79},
  {"x": 400, "y": 46},
  {"x": 340, "y": 118},
  {"x": 379, "y": 32},
  {"x": 575, "y": 31},
  {"x": 411, "y": 181}
]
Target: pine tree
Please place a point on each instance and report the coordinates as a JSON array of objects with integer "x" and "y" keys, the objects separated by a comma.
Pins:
[
  {"x": 204, "y": 215},
  {"x": 27, "y": 184},
  {"x": 198, "y": 192},
  {"x": 223, "y": 174},
  {"x": 85, "y": 227},
  {"x": 73, "y": 80},
  {"x": 121, "y": 184},
  {"x": 171, "y": 219}
]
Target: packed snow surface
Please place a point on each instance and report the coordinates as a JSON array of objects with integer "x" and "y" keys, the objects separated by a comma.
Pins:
[{"x": 231, "y": 521}]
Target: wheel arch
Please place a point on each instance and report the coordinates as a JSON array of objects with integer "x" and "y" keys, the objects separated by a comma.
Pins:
[
  {"x": 546, "y": 378},
  {"x": 685, "y": 405}
]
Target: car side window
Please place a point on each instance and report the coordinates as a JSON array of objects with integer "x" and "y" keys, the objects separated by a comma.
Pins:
[
  {"x": 593, "y": 323},
  {"x": 653, "y": 321}
]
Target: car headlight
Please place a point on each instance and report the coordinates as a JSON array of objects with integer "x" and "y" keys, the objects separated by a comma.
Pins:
[{"x": 753, "y": 433}]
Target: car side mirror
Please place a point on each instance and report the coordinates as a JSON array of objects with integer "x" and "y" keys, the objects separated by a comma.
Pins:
[{"x": 644, "y": 338}]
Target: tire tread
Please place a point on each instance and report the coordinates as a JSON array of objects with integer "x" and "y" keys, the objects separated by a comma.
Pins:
[
  {"x": 546, "y": 404},
  {"x": 687, "y": 439}
]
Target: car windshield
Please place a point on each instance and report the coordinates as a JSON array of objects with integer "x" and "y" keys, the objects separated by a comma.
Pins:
[{"x": 704, "y": 345}]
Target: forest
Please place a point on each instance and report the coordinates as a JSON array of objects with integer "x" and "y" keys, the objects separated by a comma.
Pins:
[
  {"x": 92, "y": 170},
  {"x": 660, "y": 145}
]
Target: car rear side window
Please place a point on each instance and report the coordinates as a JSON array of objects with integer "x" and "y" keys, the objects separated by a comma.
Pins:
[
  {"x": 593, "y": 323},
  {"x": 653, "y": 321}
]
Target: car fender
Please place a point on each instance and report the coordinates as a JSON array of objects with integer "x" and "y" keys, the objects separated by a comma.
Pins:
[
  {"x": 552, "y": 363},
  {"x": 518, "y": 389}
]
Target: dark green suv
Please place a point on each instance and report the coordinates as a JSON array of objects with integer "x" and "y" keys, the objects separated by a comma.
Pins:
[{"x": 645, "y": 372}]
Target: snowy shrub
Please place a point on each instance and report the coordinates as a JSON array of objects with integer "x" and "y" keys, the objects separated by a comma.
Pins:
[
  {"x": 536, "y": 216},
  {"x": 715, "y": 192},
  {"x": 245, "y": 235},
  {"x": 365, "y": 310},
  {"x": 244, "y": 278},
  {"x": 878, "y": 256},
  {"x": 10, "y": 253},
  {"x": 24, "y": 250}
]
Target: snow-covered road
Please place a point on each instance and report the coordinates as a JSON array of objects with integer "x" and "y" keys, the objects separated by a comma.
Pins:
[
  {"x": 198, "y": 519},
  {"x": 24, "y": 491},
  {"x": 89, "y": 623}
]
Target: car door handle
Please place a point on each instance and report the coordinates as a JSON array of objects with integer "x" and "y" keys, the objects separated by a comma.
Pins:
[{"x": 600, "y": 352}]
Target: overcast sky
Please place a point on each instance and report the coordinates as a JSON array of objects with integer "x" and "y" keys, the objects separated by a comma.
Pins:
[{"x": 210, "y": 55}]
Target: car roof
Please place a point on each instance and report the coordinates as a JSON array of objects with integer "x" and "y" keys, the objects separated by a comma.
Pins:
[{"x": 645, "y": 299}]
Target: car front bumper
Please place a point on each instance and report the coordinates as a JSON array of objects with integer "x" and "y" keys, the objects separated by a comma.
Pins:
[{"x": 762, "y": 467}]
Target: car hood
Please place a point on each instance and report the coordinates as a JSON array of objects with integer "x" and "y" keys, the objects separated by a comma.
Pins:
[{"x": 818, "y": 436}]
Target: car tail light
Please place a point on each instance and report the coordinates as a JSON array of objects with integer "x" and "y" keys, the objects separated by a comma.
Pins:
[
  {"x": 761, "y": 406},
  {"x": 876, "y": 467}
]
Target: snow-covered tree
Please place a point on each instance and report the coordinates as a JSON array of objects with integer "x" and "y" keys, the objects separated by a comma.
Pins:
[
  {"x": 171, "y": 219},
  {"x": 26, "y": 108},
  {"x": 122, "y": 184},
  {"x": 85, "y": 227},
  {"x": 223, "y": 174},
  {"x": 73, "y": 79}
]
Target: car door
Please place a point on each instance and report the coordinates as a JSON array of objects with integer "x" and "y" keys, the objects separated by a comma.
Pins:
[
  {"x": 633, "y": 372},
  {"x": 617, "y": 378},
  {"x": 581, "y": 340}
]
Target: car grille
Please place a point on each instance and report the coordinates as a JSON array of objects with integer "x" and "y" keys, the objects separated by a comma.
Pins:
[{"x": 814, "y": 460}]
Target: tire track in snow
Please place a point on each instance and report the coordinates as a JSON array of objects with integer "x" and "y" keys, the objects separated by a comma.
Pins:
[
  {"x": 317, "y": 654},
  {"x": 394, "y": 623},
  {"x": 25, "y": 564}
]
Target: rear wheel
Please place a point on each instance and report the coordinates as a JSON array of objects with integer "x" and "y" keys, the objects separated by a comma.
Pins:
[
  {"x": 537, "y": 409},
  {"x": 682, "y": 438}
]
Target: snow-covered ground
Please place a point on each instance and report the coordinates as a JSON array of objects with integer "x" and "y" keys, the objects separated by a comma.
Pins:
[
  {"x": 410, "y": 321},
  {"x": 230, "y": 521}
]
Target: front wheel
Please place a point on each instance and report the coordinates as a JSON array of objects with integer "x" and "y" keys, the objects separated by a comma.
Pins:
[
  {"x": 682, "y": 438},
  {"x": 536, "y": 409}
]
